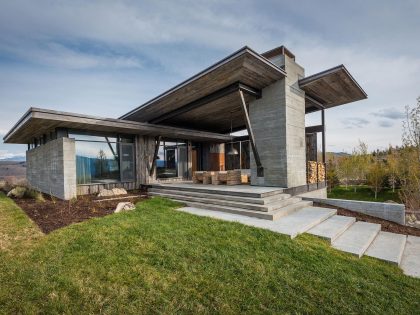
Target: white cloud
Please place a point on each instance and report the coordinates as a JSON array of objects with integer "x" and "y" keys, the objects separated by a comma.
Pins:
[
  {"x": 5, "y": 154},
  {"x": 135, "y": 50}
]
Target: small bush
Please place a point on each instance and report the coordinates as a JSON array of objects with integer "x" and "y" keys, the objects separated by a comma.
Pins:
[{"x": 34, "y": 194}]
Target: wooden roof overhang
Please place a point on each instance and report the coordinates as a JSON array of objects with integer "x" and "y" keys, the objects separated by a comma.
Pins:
[
  {"x": 207, "y": 100},
  {"x": 37, "y": 122},
  {"x": 330, "y": 88}
]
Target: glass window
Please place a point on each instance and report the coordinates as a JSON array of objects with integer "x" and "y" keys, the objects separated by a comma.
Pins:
[
  {"x": 172, "y": 160},
  {"x": 96, "y": 162},
  {"x": 101, "y": 159},
  {"x": 127, "y": 162},
  {"x": 240, "y": 160}
]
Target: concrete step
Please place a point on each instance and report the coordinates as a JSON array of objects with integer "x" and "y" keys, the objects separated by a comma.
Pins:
[
  {"x": 254, "y": 200},
  {"x": 292, "y": 225},
  {"x": 332, "y": 228},
  {"x": 239, "y": 190},
  {"x": 271, "y": 215},
  {"x": 388, "y": 247},
  {"x": 303, "y": 220},
  {"x": 228, "y": 203},
  {"x": 410, "y": 262},
  {"x": 279, "y": 213},
  {"x": 357, "y": 238}
]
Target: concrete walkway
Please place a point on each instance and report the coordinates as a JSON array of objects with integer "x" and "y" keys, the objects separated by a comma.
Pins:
[{"x": 358, "y": 238}]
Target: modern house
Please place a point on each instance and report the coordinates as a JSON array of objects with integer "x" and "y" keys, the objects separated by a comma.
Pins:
[{"x": 189, "y": 128}]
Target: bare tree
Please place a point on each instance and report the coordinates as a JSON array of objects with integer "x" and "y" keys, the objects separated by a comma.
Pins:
[
  {"x": 410, "y": 158},
  {"x": 375, "y": 176}
]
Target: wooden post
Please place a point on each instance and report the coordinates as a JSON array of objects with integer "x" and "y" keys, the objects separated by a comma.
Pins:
[
  {"x": 260, "y": 168},
  {"x": 323, "y": 145},
  {"x": 152, "y": 167}
]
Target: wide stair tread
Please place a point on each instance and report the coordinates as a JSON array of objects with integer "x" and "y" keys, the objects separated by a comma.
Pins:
[
  {"x": 229, "y": 203},
  {"x": 388, "y": 247},
  {"x": 333, "y": 227},
  {"x": 410, "y": 263},
  {"x": 220, "y": 190},
  {"x": 253, "y": 200},
  {"x": 357, "y": 238},
  {"x": 270, "y": 215},
  {"x": 303, "y": 220}
]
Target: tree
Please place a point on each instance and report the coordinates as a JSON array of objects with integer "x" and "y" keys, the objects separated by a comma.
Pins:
[
  {"x": 345, "y": 170},
  {"x": 332, "y": 178},
  {"x": 411, "y": 128},
  {"x": 361, "y": 159},
  {"x": 375, "y": 175},
  {"x": 410, "y": 159},
  {"x": 392, "y": 160}
]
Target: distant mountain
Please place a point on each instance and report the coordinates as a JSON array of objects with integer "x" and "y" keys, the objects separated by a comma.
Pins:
[
  {"x": 339, "y": 154},
  {"x": 13, "y": 159}
]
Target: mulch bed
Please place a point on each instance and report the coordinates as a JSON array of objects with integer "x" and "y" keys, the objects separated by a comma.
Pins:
[
  {"x": 386, "y": 226},
  {"x": 55, "y": 213}
]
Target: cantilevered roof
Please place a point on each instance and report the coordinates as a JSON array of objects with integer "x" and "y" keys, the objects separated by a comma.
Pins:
[
  {"x": 245, "y": 67},
  {"x": 37, "y": 122},
  {"x": 332, "y": 87}
]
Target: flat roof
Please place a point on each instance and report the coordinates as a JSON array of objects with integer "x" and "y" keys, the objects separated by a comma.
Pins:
[
  {"x": 243, "y": 66},
  {"x": 37, "y": 121},
  {"x": 332, "y": 87}
]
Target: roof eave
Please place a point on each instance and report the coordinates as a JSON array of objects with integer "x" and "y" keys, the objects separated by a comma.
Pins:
[{"x": 213, "y": 67}]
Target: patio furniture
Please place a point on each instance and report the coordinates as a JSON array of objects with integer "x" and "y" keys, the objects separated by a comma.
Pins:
[
  {"x": 198, "y": 177},
  {"x": 230, "y": 178},
  {"x": 207, "y": 177}
]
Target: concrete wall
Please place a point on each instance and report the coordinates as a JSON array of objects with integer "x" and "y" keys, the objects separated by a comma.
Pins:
[
  {"x": 51, "y": 168},
  {"x": 278, "y": 123},
  {"x": 388, "y": 211},
  {"x": 318, "y": 193}
]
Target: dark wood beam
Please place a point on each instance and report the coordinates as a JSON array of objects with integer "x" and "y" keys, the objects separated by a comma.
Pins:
[
  {"x": 260, "y": 168},
  {"x": 314, "y": 129},
  {"x": 155, "y": 155},
  {"x": 207, "y": 99},
  {"x": 323, "y": 134}
]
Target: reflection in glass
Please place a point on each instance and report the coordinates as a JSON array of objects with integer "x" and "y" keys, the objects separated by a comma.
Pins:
[
  {"x": 241, "y": 160},
  {"x": 172, "y": 159},
  {"x": 96, "y": 162}
]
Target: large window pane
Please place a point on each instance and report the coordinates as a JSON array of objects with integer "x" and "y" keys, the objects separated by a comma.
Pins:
[
  {"x": 97, "y": 162},
  {"x": 172, "y": 159},
  {"x": 127, "y": 162}
]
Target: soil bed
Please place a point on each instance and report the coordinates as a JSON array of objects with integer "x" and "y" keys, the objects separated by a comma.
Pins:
[
  {"x": 55, "y": 213},
  {"x": 386, "y": 226}
]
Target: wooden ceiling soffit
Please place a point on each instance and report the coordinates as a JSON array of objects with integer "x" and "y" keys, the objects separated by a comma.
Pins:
[
  {"x": 233, "y": 88},
  {"x": 245, "y": 66},
  {"x": 37, "y": 122},
  {"x": 332, "y": 87}
]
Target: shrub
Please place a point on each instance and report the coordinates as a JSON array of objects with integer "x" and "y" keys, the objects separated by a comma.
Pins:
[{"x": 34, "y": 194}]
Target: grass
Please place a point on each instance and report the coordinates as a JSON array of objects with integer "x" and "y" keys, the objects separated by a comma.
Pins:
[
  {"x": 363, "y": 193},
  {"x": 157, "y": 260}
]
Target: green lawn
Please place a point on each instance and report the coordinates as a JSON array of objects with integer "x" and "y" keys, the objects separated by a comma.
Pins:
[
  {"x": 363, "y": 193},
  {"x": 157, "y": 260}
]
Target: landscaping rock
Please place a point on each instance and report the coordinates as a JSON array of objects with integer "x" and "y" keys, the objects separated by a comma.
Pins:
[
  {"x": 17, "y": 192},
  {"x": 106, "y": 193},
  {"x": 119, "y": 191},
  {"x": 124, "y": 206}
]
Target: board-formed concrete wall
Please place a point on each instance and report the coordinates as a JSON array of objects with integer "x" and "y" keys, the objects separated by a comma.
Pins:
[
  {"x": 278, "y": 123},
  {"x": 51, "y": 168},
  {"x": 394, "y": 212}
]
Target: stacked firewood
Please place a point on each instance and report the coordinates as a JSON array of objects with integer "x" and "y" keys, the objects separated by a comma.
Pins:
[{"x": 312, "y": 172}]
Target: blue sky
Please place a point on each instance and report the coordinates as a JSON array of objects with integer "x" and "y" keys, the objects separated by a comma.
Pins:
[{"x": 107, "y": 57}]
